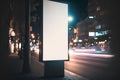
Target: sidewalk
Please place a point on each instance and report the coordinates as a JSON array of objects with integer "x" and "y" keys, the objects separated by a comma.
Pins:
[{"x": 15, "y": 68}]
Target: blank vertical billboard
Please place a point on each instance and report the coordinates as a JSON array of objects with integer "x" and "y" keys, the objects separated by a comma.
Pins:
[{"x": 55, "y": 31}]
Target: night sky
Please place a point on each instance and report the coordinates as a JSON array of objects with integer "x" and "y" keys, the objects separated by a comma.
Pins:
[{"x": 76, "y": 8}]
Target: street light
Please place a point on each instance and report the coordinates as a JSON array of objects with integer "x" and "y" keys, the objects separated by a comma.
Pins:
[{"x": 70, "y": 18}]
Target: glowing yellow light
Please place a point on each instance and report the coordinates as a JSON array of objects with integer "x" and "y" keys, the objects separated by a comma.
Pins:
[{"x": 32, "y": 35}]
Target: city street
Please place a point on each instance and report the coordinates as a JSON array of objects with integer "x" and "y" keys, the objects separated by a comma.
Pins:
[
  {"x": 93, "y": 66},
  {"x": 38, "y": 37}
]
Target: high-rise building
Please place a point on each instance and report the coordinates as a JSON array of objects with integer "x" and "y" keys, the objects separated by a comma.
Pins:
[
  {"x": 97, "y": 14},
  {"x": 94, "y": 29}
]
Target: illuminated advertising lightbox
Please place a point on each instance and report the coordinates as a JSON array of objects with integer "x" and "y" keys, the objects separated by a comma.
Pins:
[{"x": 55, "y": 31}]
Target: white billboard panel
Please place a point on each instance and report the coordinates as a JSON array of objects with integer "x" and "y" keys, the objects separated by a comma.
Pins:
[{"x": 55, "y": 31}]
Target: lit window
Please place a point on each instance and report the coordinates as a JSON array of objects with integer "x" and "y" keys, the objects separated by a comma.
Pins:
[
  {"x": 91, "y": 17},
  {"x": 98, "y": 27},
  {"x": 91, "y": 33},
  {"x": 98, "y": 8},
  {"x": 80, "y": 40}
]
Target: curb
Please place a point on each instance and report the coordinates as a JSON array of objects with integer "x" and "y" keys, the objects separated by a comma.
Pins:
[{"x": 74, "y": 75}]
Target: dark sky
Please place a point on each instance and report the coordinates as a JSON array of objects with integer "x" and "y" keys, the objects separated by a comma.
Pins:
[{"x": 76, "y": 8}]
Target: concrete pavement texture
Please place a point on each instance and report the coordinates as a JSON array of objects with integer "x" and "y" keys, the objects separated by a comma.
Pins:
[{"x": 15, "y": 68}]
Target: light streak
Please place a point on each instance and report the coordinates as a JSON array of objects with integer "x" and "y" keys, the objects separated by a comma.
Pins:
[{"x": 92, "y": 54}]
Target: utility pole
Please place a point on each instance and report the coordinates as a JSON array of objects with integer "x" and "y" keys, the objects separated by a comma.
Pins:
[{"x": 26, "y": 61}]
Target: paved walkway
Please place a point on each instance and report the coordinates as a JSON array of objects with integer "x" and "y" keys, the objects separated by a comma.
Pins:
[{"x": 15, "y": 68}]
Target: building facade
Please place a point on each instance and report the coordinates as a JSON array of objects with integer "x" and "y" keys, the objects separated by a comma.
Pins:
[{"x": 94, "y": 29}]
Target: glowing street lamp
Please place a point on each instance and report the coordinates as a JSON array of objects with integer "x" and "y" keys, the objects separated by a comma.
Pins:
[{"x": 70, "y": 18}]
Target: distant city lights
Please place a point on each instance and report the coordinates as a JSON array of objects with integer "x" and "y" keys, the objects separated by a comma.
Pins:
[
  {"x": 95, "y": 38},
  {"x": 91, "y": 17},
  {"x": 91, "y": 33},
  {"x": 80, "y": 40},
  {"x": 86, "y": 52}
]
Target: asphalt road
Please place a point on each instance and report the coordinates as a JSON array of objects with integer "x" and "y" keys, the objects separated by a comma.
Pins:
[{"x": 94, "y": 66}]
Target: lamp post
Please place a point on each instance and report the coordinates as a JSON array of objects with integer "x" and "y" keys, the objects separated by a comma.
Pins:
[
  {"x": 70, "y": 31},
  {"x": 26, "y": 61}
]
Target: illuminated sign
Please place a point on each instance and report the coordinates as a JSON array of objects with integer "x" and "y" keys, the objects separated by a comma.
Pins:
[
  {"x": 91, "y": 33},
  {"x": 55, "y": 31},
  {"x": 100, "y": 33}
]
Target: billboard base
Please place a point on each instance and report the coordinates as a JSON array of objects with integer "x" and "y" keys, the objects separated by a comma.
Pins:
[{"x": 53, "y": 69}]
